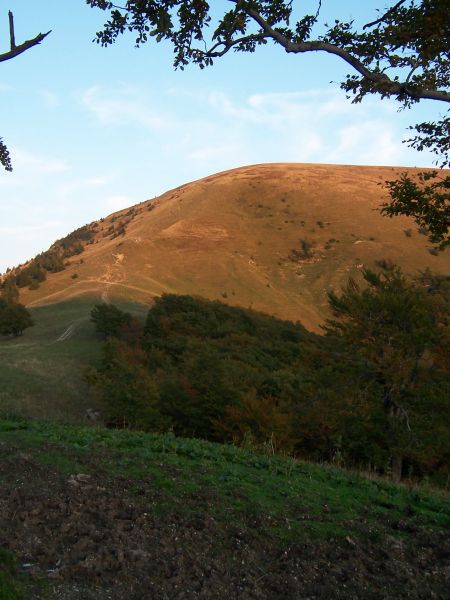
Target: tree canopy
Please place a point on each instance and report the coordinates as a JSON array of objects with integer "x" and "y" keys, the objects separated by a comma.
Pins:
[
  {"x": 403, "y": 53},
  {"x": 376, "y": 388},
  {"x": 391, "y": 323},
  {"x": 14, "y": 318}
]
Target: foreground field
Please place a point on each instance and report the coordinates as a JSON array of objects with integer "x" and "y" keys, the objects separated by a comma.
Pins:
[{"x": 92, "y": 513}]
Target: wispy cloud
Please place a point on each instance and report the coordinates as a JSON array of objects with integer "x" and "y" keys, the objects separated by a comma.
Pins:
[
  {"x": 318, "y": 125},
  {"x": 122, "y": 105},
  {"x": 213, "y": 130}
]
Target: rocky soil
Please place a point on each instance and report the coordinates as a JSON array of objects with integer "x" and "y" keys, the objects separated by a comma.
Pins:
[{"x": 90, "y": 535}]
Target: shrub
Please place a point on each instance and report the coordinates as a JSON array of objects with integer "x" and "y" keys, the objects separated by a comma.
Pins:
[
  {"x": 14, "y": 318},
  {"x": 386, "y": 264}
]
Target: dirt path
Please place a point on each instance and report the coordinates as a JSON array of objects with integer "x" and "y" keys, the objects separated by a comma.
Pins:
[
  {"x": 67, "y": 334},
  {"x": 62, "y": 295}
]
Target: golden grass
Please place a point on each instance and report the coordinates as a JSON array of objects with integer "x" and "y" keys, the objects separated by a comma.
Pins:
[{"x": 231, "y": 237}]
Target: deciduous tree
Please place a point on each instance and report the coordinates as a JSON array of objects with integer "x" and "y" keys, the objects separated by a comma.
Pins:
[
  {"x": 14, "y": 318},
  {"x": 391, "y": 323}
]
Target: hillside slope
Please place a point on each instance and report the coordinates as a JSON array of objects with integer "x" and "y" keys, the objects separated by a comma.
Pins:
[
  {"x": 273, "y": 237},
  {"x": 97, "y": 514}
]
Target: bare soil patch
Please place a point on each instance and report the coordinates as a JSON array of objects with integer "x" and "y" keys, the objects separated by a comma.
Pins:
[{"x": 91, "y": 535}]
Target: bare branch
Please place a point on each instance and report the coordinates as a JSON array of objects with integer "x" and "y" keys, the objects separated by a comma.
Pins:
[
  {"x": 319, "y": 8},
  {"x": 11, "y": 30},
  {"x": 16, "y": 50}
]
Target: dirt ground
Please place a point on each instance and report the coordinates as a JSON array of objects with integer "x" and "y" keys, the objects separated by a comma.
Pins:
[{"x": 99, "y": 537}]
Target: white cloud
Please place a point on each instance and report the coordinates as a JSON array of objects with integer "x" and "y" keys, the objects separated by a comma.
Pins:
[
  {"x": 372, "y": 142},
  {"x": 315, "y": 126},
  {"x": 218, "y": 130}
]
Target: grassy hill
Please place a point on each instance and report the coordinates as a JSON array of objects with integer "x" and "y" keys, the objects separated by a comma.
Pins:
[
  {"x": 99, "y": 514},
  {"x": 274, "y": 237},
  {"x": 95, "y": 514},
  {"x": 41, "y": 372}
]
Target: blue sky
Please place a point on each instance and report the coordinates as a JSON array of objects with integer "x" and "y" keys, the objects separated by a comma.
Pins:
[{"x": 92, "y": 130}]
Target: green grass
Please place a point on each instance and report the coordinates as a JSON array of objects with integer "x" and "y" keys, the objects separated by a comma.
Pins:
[
  {"x": 42, "y": 377},
  {"x": 295, "y": 500},
  {"x": 16, "y": 585},
  {"x": 11, "y": 587}
]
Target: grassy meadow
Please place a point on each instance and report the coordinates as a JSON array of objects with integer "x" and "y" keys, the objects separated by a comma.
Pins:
[{"x": 41, "y": 372}]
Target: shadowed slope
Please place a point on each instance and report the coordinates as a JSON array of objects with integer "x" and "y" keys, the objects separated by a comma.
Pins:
[{"x": 273, "y": 237}]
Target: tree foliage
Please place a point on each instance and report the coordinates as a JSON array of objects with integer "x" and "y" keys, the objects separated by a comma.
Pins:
[
  {"x": 402, "y": 54},
  {"x": 228, "y": 374},
  {"x": 5, "y": 158},
  {"x": 427, "y": 199},
  {"x": 109, "y": 319},
  {"x": 52, "y": 260},
  {"x": 127, "y": 390},
  {"x": 14, "y": 318},
  {"x": 391, "y": 324}
]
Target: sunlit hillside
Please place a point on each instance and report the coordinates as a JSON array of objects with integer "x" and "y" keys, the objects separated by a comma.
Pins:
[{"x": 273, "y": 237}]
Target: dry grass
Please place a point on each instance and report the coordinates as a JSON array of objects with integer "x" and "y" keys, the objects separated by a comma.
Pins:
[{"x": 231, "y": 237}]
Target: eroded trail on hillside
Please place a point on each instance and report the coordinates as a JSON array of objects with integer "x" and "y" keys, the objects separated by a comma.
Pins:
[{"x": 67, "y": 333}]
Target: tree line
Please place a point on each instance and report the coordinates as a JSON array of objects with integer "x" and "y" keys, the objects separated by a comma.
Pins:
[
  {"x": 372, "y": 392},
  {"x": 52, "y": 260}
]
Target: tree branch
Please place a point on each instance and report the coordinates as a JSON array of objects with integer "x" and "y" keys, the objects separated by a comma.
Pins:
[
  {"x": 254, "y": 37},
  {"x": 16, "y": 50},
  {"x": 11, "y": 30},
  {"x": 394, "y": 87},
  {"x": 386, "y": 14}
]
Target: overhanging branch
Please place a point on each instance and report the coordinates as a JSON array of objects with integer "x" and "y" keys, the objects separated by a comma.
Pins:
[{"x": 381, "y": 79}]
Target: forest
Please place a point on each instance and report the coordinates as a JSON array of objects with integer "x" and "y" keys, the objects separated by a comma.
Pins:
[{"x": 371, "y": 393}]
